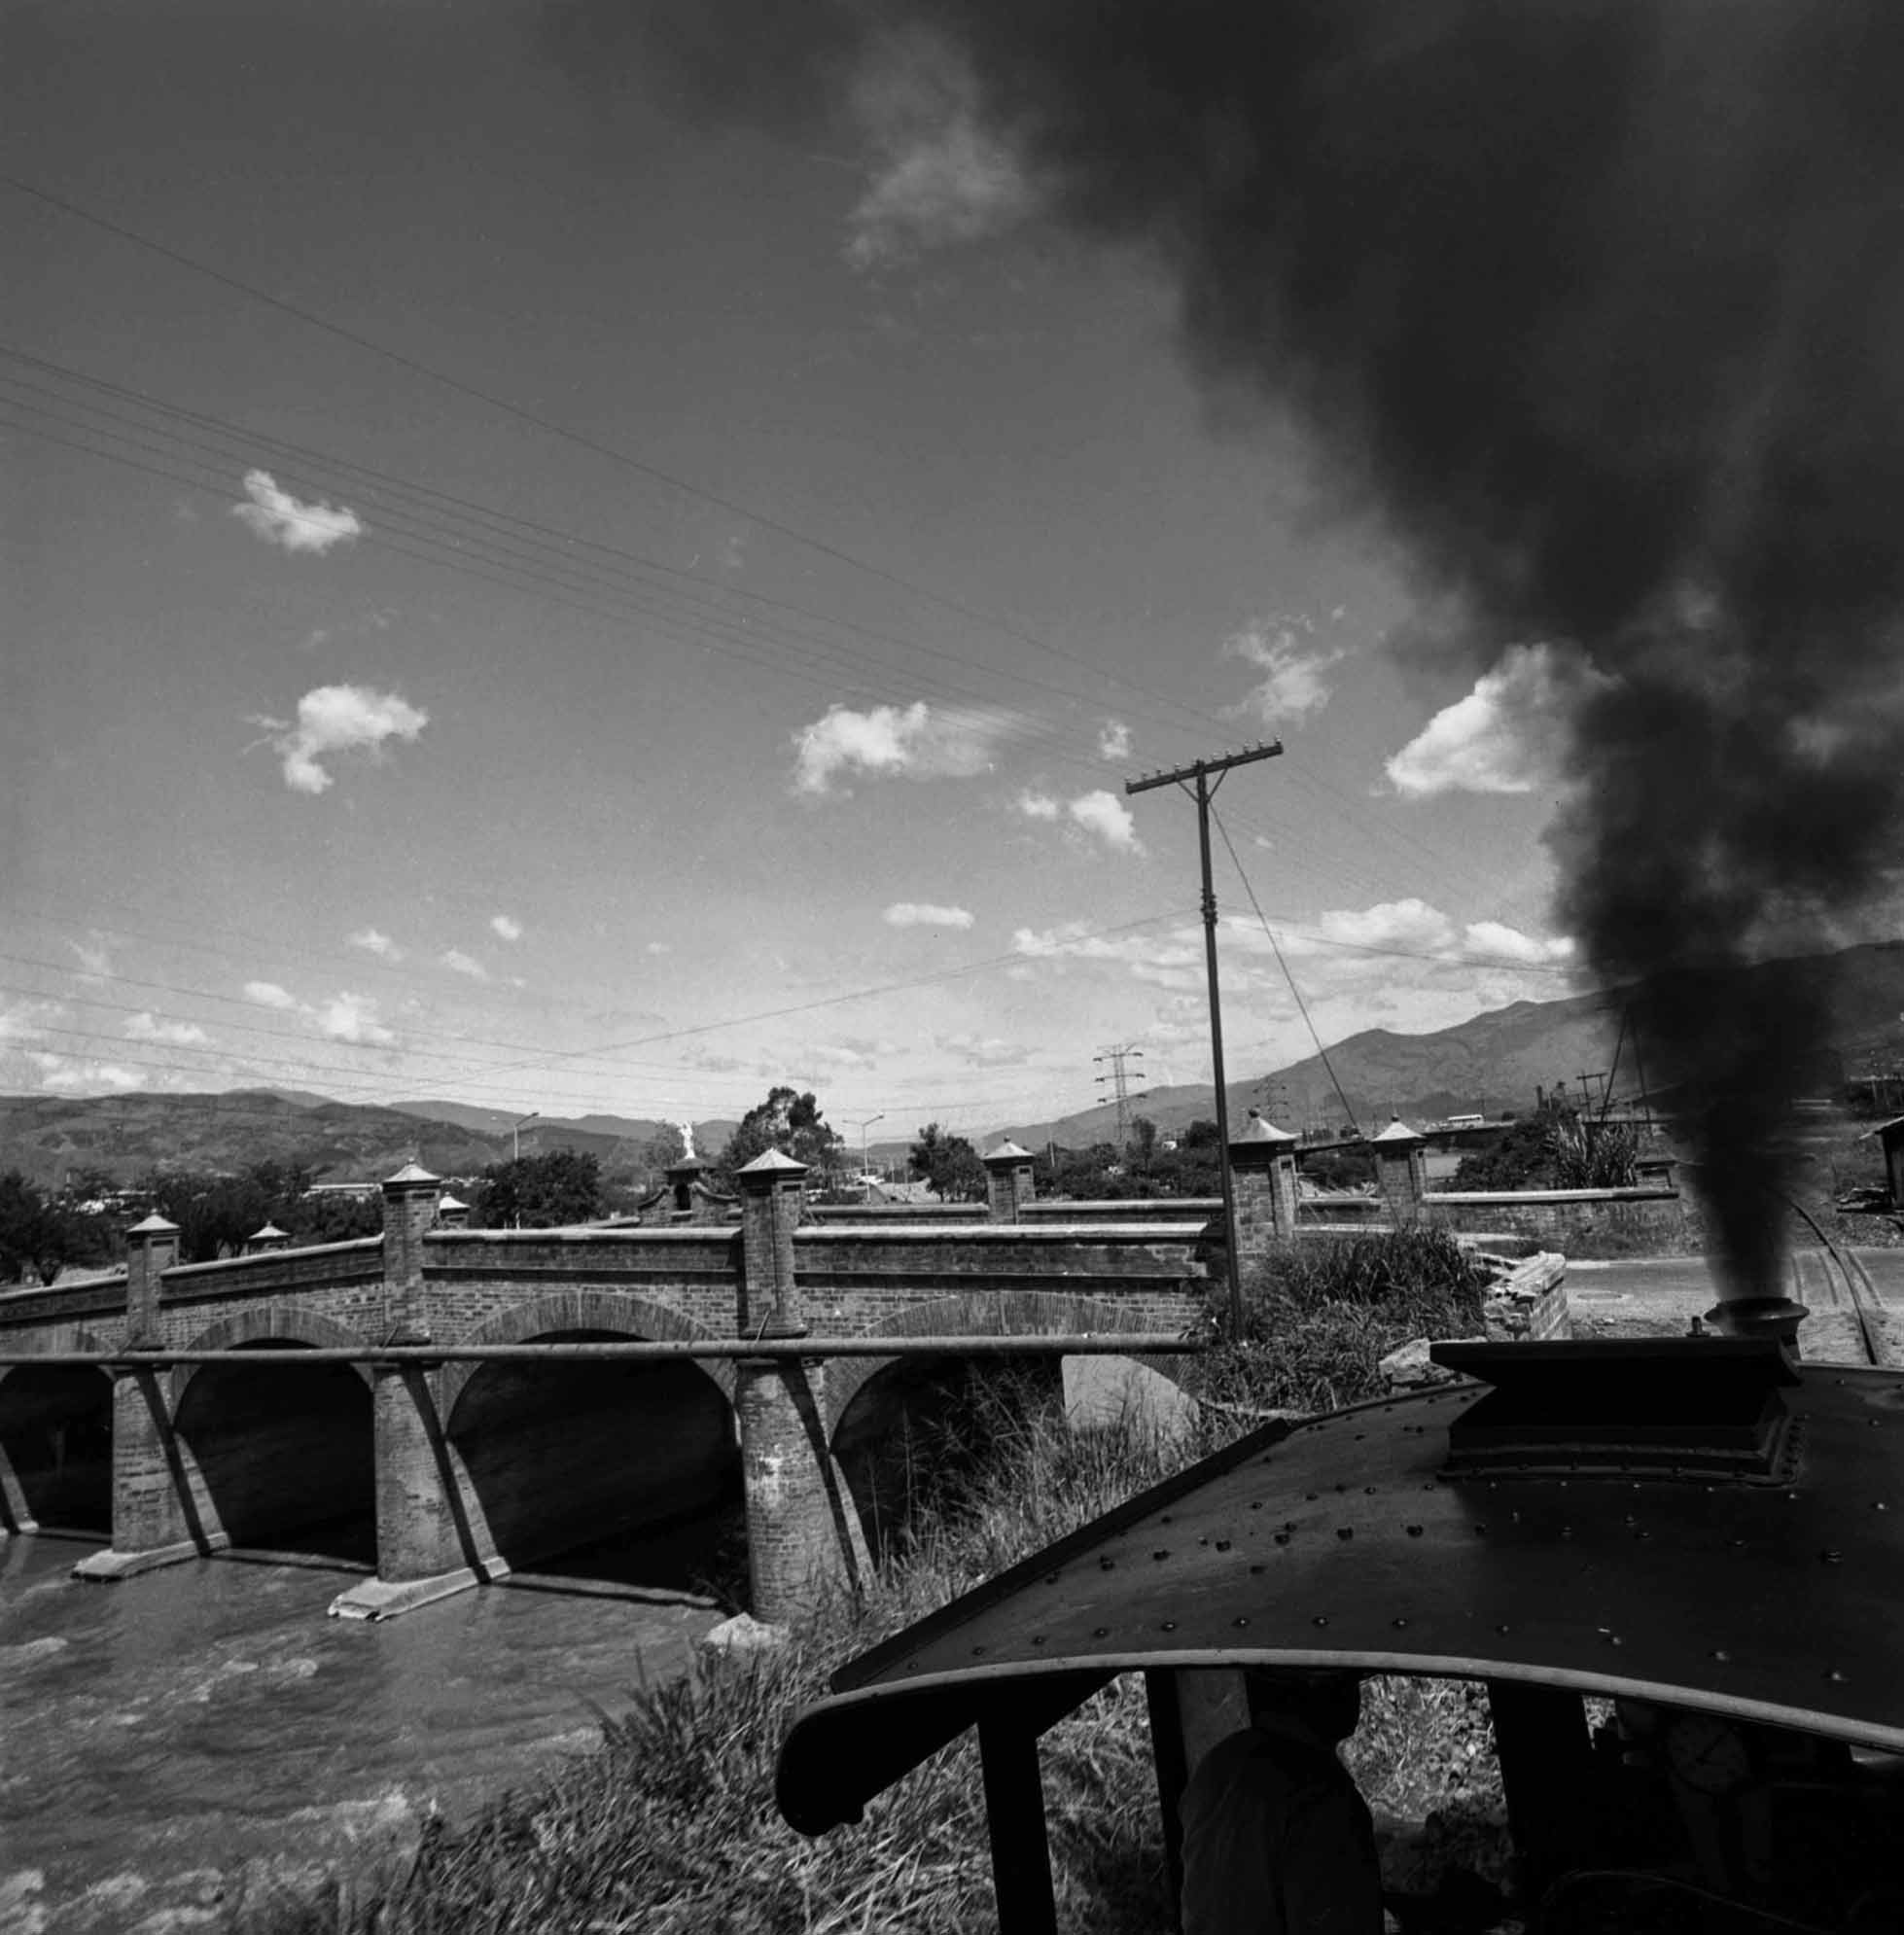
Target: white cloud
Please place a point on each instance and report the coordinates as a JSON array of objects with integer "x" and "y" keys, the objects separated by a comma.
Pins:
[
  {"x": 459, "y": 962},
  {"x": 1113, "y": 740},
  {"x": 344, "y": 1017},
  {"x": 1292, "y": 685},
  {"x": 941, "y": 176},
  {"x": 924, "y": 914},
  {"x": 506, "y": 925},
  {"x": 351, "y": 1018},
  {"x": 65, "y": 1072},
  {"x": 985, "y": 1051},
  {"x": 1106, "y": 816},
  {"x": 657, "y": 947},
  {"x": 148, "y": 1027},
  {"x": 379, "y": 945},
  {"x": 836, "y": 1055},
  {"x": 339, "y": 719},
  {"x": 26, "y": 1019},
  {"x": 1508, "y": 735},
  {"x": 1493, "y": 937},
  {"x": 1039, "y": 805},
  {"x": 886, "y": 742},
  {"x": 95, "y": 963},
  {"x": 279, "y": 518},
  {"x": 1412, "y": 925}
]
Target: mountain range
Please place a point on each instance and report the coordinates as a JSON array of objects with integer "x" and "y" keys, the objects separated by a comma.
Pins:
[
  {"x": 1487, "y": 1065},
  {"x": 1495, "y": 1061},
  {"x": 125, "y": 1136}
]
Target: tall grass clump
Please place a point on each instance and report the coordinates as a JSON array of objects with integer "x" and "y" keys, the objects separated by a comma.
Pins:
[{"x": 1321, "y": 1314}]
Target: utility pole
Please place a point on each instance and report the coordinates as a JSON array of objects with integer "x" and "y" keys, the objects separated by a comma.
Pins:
[
  {"x": 1199, "y": 775},
  {"x": 1119, "y": 1055}
]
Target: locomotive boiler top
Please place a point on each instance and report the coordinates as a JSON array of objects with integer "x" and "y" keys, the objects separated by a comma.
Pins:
[{"x": 1702, "y": 1523}]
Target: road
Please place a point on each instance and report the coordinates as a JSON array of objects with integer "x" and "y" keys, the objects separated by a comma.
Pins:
[{"x": 1659, "y": 1297}]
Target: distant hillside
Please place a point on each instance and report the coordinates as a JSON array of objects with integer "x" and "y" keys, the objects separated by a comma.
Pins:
[
  {"x": 126, "y": 1135},
  {"x": 341, "y": 1142},
  {"x": 1490, "y": 1063},
  {"x": 583, "y": 1132},
  {"x": 1497, "y": 1060}
]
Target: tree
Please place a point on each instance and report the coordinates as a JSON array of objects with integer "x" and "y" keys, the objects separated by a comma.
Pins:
[
  {"x": 547, "y": 1192},
  {"x": 949, "y": 1165},
  {"x": 215, "y": 1214},
  {"x": 793, "y": 1124},
  {"x": 329, "y": 1218},
  {"x": 32, "y": 1231}
]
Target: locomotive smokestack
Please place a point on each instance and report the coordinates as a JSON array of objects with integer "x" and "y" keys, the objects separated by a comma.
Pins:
[{"x": 1598, "y": 307}]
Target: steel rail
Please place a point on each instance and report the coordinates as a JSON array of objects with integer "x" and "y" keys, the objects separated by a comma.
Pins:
[
  {"x": 1098, "y": 1344},
  {"x": 1858, "y": 1283}
]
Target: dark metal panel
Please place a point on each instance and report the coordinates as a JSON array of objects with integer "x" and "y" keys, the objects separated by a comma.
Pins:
[{"x": 1348, "y": 1543}]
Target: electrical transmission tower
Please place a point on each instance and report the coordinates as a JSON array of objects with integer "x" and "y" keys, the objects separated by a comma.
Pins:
[{"x": 1120, "y": 1056}]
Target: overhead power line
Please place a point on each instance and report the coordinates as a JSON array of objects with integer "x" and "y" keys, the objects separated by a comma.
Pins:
[
  {"x": 610, "y": 452},
  {"x": 1193, "y": 717},
  {"x": 1302, "y": 1007}
]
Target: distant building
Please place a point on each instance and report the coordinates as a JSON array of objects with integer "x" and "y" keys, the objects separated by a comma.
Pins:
[{"x": 1890, "y": 1137}]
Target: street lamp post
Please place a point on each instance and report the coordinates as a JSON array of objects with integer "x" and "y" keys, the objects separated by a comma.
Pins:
[
  {"x": 516, "y": 1133},
  {"x": 866, "y": 1166}
]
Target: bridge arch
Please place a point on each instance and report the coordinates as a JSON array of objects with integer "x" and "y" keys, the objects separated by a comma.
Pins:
[
  {"x": 878, "y": 1409},
  {"x": 280, "y": 1456},
  {"x": 278, "y": 1326},
  {"x": 636, "y": 1320},
  {"x": 57, "y": 1439},
  {"x": 605, "y": 1469},
  {"x": 978, "y": 1314}
]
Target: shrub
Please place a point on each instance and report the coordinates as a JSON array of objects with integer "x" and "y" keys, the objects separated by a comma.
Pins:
[{"x": 1319, "y": 1316}]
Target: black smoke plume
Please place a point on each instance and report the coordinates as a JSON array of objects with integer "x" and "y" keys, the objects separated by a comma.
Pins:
[{"x": 1600, "y": 305}]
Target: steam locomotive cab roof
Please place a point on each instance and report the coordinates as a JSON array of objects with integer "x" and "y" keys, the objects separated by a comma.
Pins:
[{"x": 1697, "y": 1521}]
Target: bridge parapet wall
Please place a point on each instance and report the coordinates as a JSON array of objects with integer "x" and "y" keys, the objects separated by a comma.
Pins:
[
  {"x": 862, "y": 1279},
  {"x": 1123, "y": 1210},
  {"x": 1641, "y": 1215},
  {"x": 345, "y": 1279},
  {"x": 471, "y": 1278},
  {"x": 100, "y": 1306}
]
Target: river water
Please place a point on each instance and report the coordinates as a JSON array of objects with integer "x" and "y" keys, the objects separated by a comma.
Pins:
[{"x": 158, "y": 1735}]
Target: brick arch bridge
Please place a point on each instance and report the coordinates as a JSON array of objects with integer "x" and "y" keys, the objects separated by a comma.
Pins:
[{"x": 469, "y": 1468}]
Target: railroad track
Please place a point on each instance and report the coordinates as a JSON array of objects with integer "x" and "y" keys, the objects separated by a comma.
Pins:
[{"x": 1850, "y": 1293}]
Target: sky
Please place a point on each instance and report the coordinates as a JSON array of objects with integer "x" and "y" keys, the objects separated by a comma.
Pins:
[{"x": 514, "y": 593}]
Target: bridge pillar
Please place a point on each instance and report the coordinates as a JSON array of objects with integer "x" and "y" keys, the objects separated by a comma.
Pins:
[
  {"x": 1263, "y": 1170},
  {"x": 155, "y": 1516},
  {"x": 151, "y": 1247},
  {"x": 427, "y": 1548},
  {"x": 155, "y": 1519},
  {"x": 1008, "y": 1184},
  {"x": 1401, "y": 1170},
  {"x": 803, "y": 1533},
  {"x": 422, "y": 1528},
  {"x": 410, "y": 1209}
]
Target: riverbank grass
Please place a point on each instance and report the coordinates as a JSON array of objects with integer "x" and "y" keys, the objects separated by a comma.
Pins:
[{"x": 671, "y": 1826}]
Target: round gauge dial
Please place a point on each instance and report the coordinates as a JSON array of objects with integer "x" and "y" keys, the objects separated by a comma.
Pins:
[{"x": 1709, "y": 1754}]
